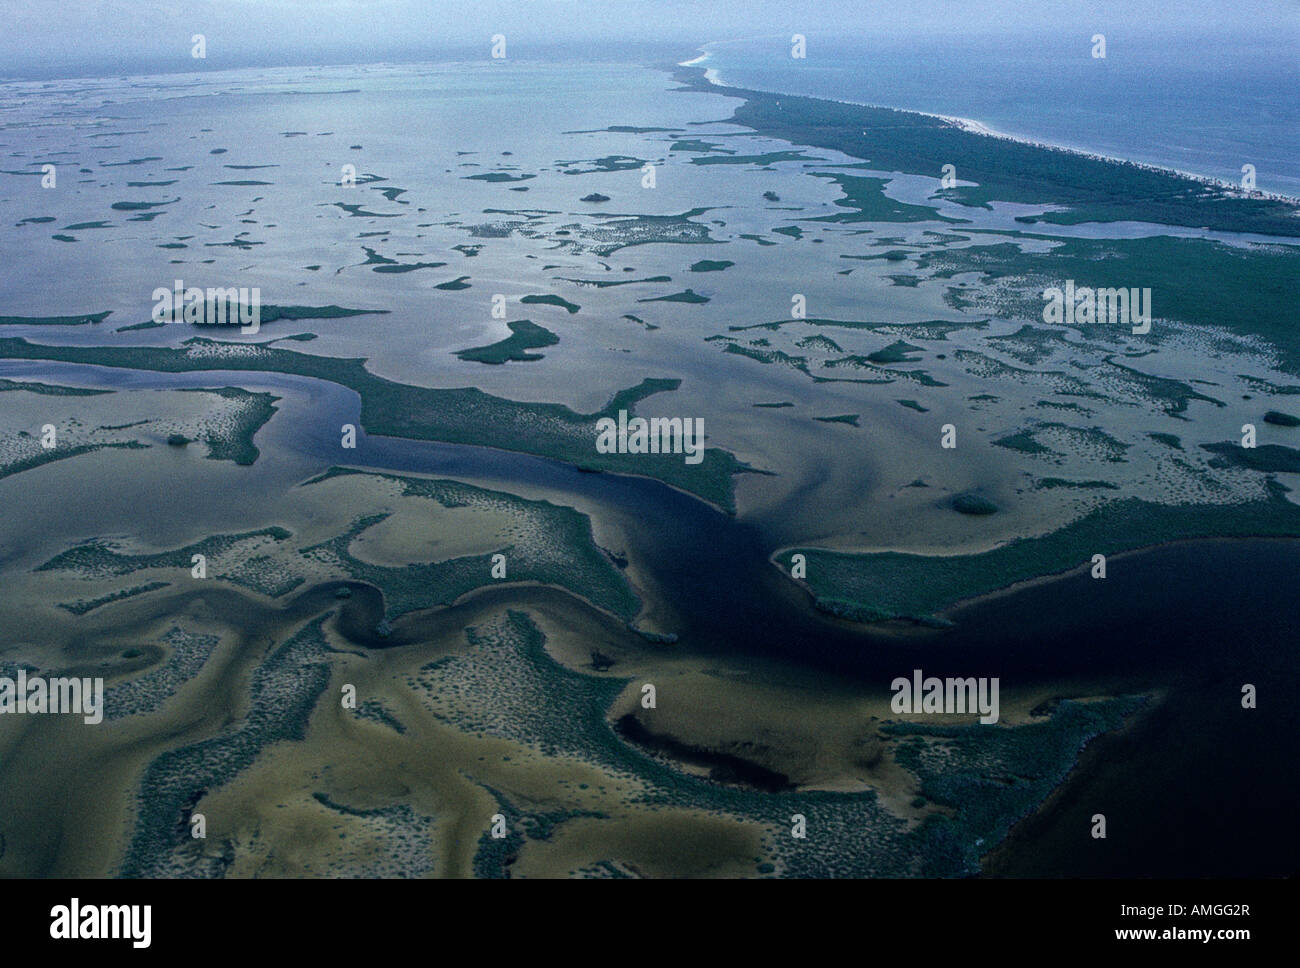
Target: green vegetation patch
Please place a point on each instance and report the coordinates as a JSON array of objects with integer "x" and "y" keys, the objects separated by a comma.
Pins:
[
  {"x": 225, "y": 312},
  {"x": 695, "y": 144},
  {"x": 553, "y": 546},
  {"x": 357, "y": 210},
  {"x": 992, "y": 776},
  {"x": 1185, "y": 276},
  {"x": 883, "y": 585},
  {"x": 1051, "y": 483},
  {"x": 88, "y": 318},
  {"x": 524, "y": 336},
  {"x": 82, "y": 606},
  {"x": 139, "y": 206},
  {"x": 845, "y": 418},
  {"x": 865, "y": 197},
  {"x": 609, "y": 233},
  {"x": 899, "y": 352},
  {"x": 551, "y": 300},
  {"x": 235, "y": 443},
  {"x": 99, "y": 559},
  {"x": 607, "y": 163},
  {"x": 608, "y": 283},
  {"x": 381, "y": 263},
  {"x": 1023, "y": 441},
  {"x": 48, "y": 389},
  {"x": 819, "y": 342},
  {"x": 764, "y": 159},
  {"x": 688, "y": 296},
  {"x": 768, "y": 356},
  {"x": 887, "y": 374},
  {"x": 461, "y": 416},
  {"x": 62, "y": 453},
  {"x": 1268, "y": 458}
]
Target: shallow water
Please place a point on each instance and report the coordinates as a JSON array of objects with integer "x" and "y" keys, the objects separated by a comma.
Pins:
[{"x": 1180, "y": 619}]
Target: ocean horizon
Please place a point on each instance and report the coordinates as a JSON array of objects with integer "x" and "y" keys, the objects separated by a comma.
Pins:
[{"x": 1207, "y": 117}]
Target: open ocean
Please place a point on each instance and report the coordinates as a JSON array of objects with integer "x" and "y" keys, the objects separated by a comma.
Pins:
[{"x": 1233, "y": 103}]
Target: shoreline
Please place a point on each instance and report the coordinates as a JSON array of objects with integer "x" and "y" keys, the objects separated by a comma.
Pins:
[
  {"x": 1047, "y": 579},
  {"x": 899, "y": 626},
  {"x": 1088, "y": 761},
  {"x": 713, "y": 77}
]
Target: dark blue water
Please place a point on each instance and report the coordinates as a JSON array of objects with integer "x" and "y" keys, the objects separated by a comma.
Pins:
[{"x": 1204, "y": 104}]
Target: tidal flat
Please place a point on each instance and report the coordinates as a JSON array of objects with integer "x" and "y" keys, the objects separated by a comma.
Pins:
[{"x": 814, "y": 294}]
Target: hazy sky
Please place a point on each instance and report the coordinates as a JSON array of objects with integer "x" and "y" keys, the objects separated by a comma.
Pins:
[{"x": 67, "y": 37}]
